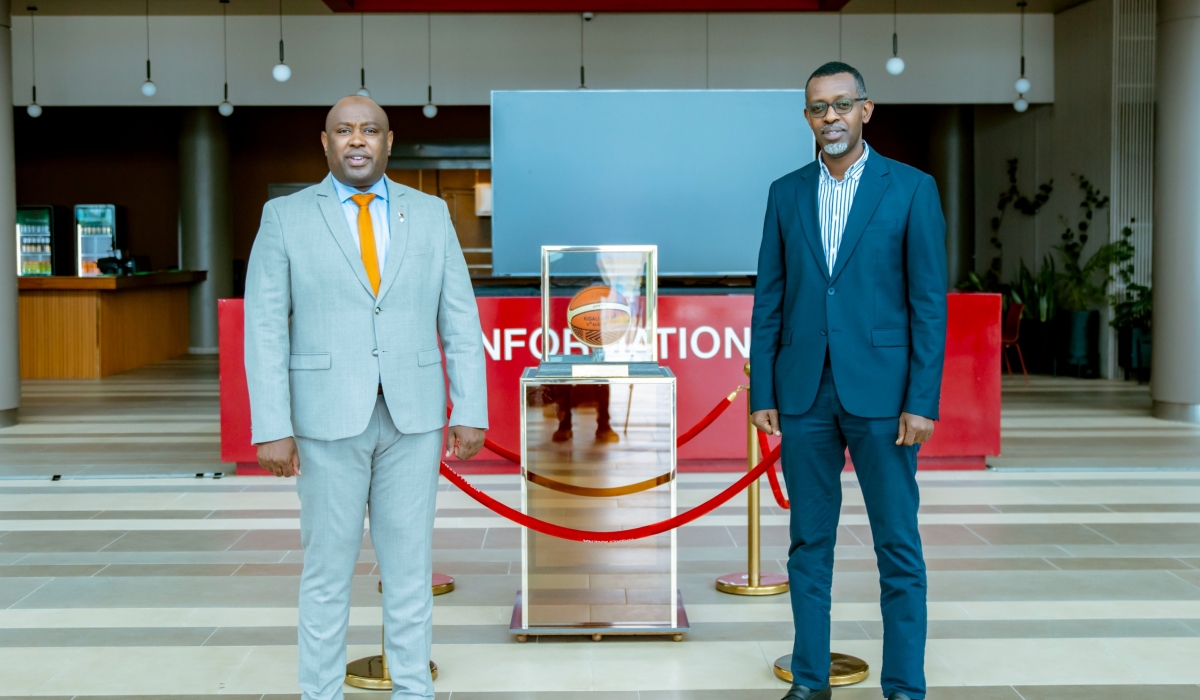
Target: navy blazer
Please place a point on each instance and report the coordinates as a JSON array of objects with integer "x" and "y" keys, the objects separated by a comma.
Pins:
[{"x": 881, "y": 314}]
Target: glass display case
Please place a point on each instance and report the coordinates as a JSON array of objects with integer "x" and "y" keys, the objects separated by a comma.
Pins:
[
  {"x": 98, "y": 229},
  {"x": 45, "y": 245},
  {"x": 605, "y": 298},
  {"x": 598, "y": 432}
]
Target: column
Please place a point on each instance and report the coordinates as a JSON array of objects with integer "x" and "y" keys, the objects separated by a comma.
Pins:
[
  {"x": 204, "y": 219},
  {"x": 10, "y": 366},
  {"x": 952, "y": 162},
  {"x": 1176, "y": 271}
]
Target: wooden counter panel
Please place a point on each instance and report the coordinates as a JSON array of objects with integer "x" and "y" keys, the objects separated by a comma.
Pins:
[
  {"x": 58, "y": 331},
  {"x": 112, "y": 283},
  {"x": 142, "y": 326}
]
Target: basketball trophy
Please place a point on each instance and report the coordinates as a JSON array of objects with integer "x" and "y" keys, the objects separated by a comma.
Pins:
[{"x": 598, "y": 451}]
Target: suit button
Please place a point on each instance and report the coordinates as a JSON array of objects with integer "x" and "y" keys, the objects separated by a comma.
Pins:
[
  {"x": 831, "y": 291},
  {"x": 824, "y": 332},
  {"x": 375, "y": 353},
  {"x": 378, "y": 310}
]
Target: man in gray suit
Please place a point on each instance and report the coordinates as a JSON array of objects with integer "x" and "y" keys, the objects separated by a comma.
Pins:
[{"x": 351, "y": 284}]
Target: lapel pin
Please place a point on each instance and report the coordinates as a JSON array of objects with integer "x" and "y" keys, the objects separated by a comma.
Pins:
[{"x": 401, "y": 215}]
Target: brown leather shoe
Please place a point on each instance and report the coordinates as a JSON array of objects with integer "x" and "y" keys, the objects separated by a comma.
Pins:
[
  {"x": 563, "y": 435},
  {"x": 800, "y": 692}
]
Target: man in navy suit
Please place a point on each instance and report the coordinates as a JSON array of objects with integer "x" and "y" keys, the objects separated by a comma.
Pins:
[{"x": 849, "y": 333}]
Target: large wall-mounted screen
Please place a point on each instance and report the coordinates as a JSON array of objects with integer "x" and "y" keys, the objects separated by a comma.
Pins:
[{"x": 685, "y": 170}]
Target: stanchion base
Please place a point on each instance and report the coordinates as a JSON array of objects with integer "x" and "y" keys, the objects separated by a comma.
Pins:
[
  {"x": 368, "y": 673},
  {"x": 441, "y": 584},
  {"x": 739, "y": 584},
  {"x": 843, "y": 669}
]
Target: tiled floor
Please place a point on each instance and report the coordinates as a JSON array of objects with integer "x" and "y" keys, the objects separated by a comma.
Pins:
[{"x": 1044, "y": 585}]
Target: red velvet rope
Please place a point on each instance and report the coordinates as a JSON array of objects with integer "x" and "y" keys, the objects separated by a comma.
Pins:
[
  {"x": 776, "y": 490},
  {"x": 566, "y": 533},
  {"x": 680, "y": 441}
]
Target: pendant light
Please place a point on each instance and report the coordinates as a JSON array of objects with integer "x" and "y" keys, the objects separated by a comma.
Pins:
[
  {"x": 34, "y": 109},
  {"x": 362, "y": 57},
  {"x": 281, "y": 72},
  {"x": 226, "y": 107},
  {"x": 895, "y": 64},
  {"x": 149, "y": 89},
  {"x": 584, "y": 19},
  {"x": 1022, "y": 84},
  {"x": 430, "y": 109}
]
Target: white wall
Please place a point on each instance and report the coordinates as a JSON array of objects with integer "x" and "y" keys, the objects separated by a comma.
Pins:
[{"x": 100, "y": 60}]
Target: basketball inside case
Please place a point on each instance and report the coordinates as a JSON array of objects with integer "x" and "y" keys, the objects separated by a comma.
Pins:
[{"x": 599, "y": 304}]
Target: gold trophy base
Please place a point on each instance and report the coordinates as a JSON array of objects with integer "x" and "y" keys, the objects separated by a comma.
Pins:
[
  {"x": 739, "y": 584},
  {"x": 843, "y": 669},
  {"x": 371, "y": 673}
]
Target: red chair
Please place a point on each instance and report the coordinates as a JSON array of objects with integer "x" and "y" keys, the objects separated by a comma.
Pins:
[{"x": 1010, "y": 334}]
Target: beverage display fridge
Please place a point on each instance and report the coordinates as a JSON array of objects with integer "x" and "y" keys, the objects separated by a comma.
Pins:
[
  {"x": 45, "y": 241},
  {"x": 99, "y": 233}
]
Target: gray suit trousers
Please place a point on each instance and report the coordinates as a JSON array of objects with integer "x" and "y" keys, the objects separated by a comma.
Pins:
[{"x": 396, "y": 475}]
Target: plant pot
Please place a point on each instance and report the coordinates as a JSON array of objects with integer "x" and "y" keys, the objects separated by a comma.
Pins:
[
  {"x": 1078, "y": 344},
  {"x": 1037, "y": 346},
  {"x": 1133, "y": 352}
]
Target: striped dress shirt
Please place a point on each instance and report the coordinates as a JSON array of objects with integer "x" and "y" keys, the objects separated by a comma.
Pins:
[{"x": 834, "y": 200}]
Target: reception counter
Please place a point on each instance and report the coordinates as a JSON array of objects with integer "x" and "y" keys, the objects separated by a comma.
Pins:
[{"x": 92, "y": 327}]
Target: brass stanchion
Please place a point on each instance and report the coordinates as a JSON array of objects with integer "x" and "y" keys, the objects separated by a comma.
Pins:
[
  {"x": 843, "y": 669},
  {"x": 753, "y": 581},
  {"x": 371, "y": 672}
]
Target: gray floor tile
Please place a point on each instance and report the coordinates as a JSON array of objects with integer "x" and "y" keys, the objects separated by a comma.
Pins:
[
  {"x": 985, "y": 692},
  {"x": 1110, "y": 692},
  {"x": 1150, "y": 533},
  {"x": 459, "y": 538},
  {"x": 49, "y": 570},
  {"x": 997, "y": 564},
  {"x": 705, "y": 536},
  {"x": 152, "y": 515},
  {"x": 1098, "y": 563},
  {"x": 176, "y": 541},
  {"x": 48, "y": 514},
  {"x": 548, "y": 695},
  {"x": 931, "y": 535},
  {"x": 58, "y": 541},
  {"x": 106, "y": 637},
  {"x": 169, "y": 570},
  {"x": 1057, "y": 585},
  {"x": 1045, "y": 629},
  {"x": 15, "y": 589},
  {"x": 1038, "y": 534},
  {"x": 740, "y": 694},
  {"x": 502, "y": 538},
  {"x": 269, "y": 540}
]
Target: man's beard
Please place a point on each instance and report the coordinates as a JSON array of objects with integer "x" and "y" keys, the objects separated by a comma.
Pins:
[{"x": 836, "y": 148}]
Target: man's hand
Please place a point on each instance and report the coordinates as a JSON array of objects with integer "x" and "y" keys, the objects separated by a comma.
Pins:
[
  {"x": 767, "y": 420},
  {"x": 280, "y": 457},
  {"x": 463, "y": 442},
  {"x": 914, "y": 430}
]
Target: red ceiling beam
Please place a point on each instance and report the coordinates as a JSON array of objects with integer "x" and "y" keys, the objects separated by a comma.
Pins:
[{"x": 504, "y": 6}]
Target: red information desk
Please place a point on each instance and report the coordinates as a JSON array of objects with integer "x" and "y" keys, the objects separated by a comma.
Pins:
[{"x": 705, "y": 340}]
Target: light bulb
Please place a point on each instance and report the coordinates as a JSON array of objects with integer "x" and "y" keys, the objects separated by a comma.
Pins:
[
  {"x": 1022, "y": 86},
  {"x": 895, "y": 65},
  {"x": 1020, "y": 105},
  {"x": 225, "y": 108},
  {"x": 429, "y": 110},
  {"x": 363, "y": 91},
  {"x": 281, "y": 72},
  {"x": 34, "y": 110},
  {"x": 149, "y": 89}
]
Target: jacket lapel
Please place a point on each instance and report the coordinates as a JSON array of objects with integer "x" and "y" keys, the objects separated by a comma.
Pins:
[
  {"x": 809, "y": 219},
  {"x": 335, "y": 218},
  {"x": 398, "y": 229},
  {"x": 871, "y": 187}
]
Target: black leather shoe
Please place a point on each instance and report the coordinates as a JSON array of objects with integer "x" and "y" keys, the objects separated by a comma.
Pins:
[
  {"x": 800, "y": 692},
  {"x": 898, "y": 696}
]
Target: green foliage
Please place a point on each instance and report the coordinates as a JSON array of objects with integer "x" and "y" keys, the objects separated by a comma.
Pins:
[
  {"x": 1039, "y": 293},
  {"x": 1012, "y": 196},
  {"x": 1133, "y": 307},
  {"x": 1082, "y": 283}
]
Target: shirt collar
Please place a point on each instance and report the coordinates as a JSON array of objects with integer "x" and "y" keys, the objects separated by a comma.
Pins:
[
  {"x": 344, "y": 191},
  {"x": 854, "y": 171}
]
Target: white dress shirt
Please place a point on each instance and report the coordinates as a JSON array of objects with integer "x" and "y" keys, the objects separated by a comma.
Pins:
[
  {"x": 834, "y": 200},
  {"x": 379, "y": 216}
]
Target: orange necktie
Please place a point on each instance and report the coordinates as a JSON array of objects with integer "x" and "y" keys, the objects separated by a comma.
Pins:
[{"x": 366, "y": 239}]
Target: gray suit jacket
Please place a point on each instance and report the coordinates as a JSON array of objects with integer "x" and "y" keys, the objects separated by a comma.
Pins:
[{"x": 319, "y": 342}]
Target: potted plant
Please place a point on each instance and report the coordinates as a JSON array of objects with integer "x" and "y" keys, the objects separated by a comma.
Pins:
[
  {"x": 1133, "y": 307},
  {"x": 1039, "y": 294},
  {"x": 1082, "y": 284},
  {"x": 1009, "y": 197}
]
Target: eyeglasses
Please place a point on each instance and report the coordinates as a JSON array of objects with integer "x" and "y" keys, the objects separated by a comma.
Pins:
[{"x": 842, "y": 106}]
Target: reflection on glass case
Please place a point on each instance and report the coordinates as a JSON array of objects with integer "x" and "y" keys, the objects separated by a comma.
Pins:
[
  {"x": 598, "y": 454},
  {"x": 605, "y": 299}
]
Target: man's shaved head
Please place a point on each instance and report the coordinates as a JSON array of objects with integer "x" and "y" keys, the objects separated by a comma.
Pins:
[{"x": 357, "y": 140}]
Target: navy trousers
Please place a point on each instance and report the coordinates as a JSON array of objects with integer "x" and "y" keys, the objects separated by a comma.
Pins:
[{"x": 814, "y": 446}]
